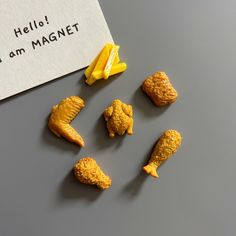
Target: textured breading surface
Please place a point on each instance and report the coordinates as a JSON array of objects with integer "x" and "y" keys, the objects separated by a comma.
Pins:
[
  {"x": 159, "y": 88},
  {"x": 61, "y": 116},
  {"x": 166, "y": 146},
  {"x": 119, "y": 118},
  {"x": 87, "y": 171}
]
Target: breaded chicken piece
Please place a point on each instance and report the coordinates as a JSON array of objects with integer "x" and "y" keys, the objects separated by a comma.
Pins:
[
  {"x": 159, "y": 88},
  {"x": 166, "y": 146},
  {"x": 61, "y": 116},
  {"x": 87, "y": 171},
  {"x": 119, "y": 118}
]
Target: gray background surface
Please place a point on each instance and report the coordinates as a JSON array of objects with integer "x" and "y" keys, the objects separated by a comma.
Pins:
[{"x": 194, "y": 42}]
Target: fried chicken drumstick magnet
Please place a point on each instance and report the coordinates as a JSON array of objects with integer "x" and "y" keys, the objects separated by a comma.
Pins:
[
  {"x": 166, "y": 146},
  {"x": 87, "y": 171}
]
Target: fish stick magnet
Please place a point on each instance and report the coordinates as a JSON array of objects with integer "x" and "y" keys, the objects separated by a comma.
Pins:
[{"x": 166, "y": 146}]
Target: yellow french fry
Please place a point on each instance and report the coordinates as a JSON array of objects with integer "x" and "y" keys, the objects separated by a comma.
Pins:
[
  {"x": 105, "y": 61},
  {"x": 90, "y": 81},
  {"x": 98, "y": 63},
  {"x": 110, "y": 61},
  {"x": 118, "y": 68},
  {"x": 91, "y": 67},
  {"x": 117, "y": 59},
  {"x": 102, "y": 60}
]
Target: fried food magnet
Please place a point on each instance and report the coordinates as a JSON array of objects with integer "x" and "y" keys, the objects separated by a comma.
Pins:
[
  {"x": 87, "y": 171},
  {"x": 61, "y": 116},
  {"x": 107, "y": 63},
  {"x": 159, "y": 88},
  {"x": 119, "y": 118},
  {"x": 166, "y": 146}
]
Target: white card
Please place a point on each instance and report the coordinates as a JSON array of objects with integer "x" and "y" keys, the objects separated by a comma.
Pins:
[{"x": 43, "y": 40}]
